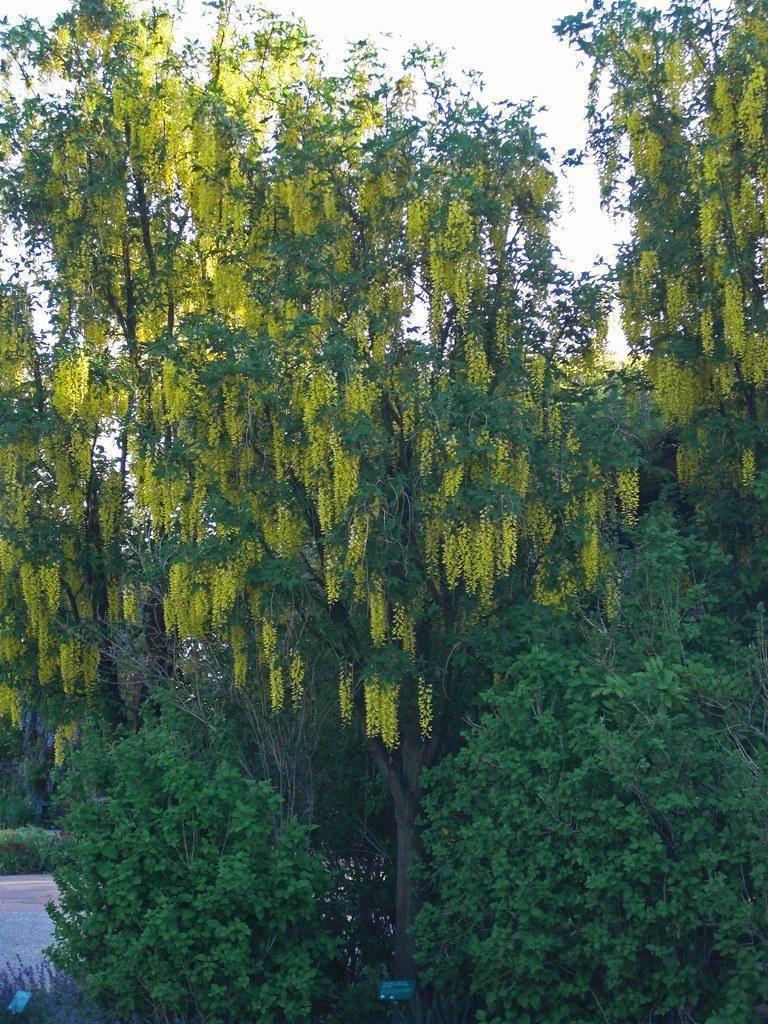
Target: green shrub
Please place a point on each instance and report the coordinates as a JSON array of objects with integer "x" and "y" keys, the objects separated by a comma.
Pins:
[
  {"x": 29, "y": 850},
  {"x": 25, "y": 763},
  {"x": 184, "y": 897},
  {"x": 16, "y": 808},
  {"x": 599, "y": 850}
]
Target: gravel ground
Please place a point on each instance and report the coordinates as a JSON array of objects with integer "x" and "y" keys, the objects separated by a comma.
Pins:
[
  {"x": 24, "y": 936},
  {"x": 25, "y": 928}
]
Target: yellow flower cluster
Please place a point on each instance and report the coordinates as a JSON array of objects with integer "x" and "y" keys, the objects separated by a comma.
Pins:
[
  {"x": 10, "y": 704},
  {"x": 345, "y": 695},
  {"x": 710, "y": 223},
  {"x": 283, "y": 531},
  {"x": 225, "y": 584},
  {"x": 71, "y": 468},
  {"x": 357, "y": 542},
  {"x": 179, "y": 391},
  {"x": 479, "y": 552},
  {"x": 268, "y": 640},
  {"x": 379, "y": 614},
  {"x": 381, "y": 705},
  {"x": 239, "y": 655},
  {"x": 131, "y": 605},
  {"x": 276, "y": 685},
  {"x": 454, "y": 267},
  {"x": 707, "y": 331},
  {"x": 325, "y": 466},
  {"x": 361, "y": 395},
  {"x": 297, "y": 673},
  {"x": 163, "y": 497},
  {"x": 680, "y": 388},
  {"x": 187, "y": 606},
  {"x": 628, "y": 490},
  {"x": 612, "y": 598},
  {"x": 11, "y": 648},
  {"x": 677, "y": 301},
  {"x": 346, "y": 468},
  {"x": 564, "y": 589},
  {"x": 78, "y": 663},
  {"x": 404, "y": 630},
  {"x": 332, "y": 573},
  {"x": 479, "y": 372},
  {"x": 296, "y": 195},
  {"x": 590, "y": 555},
  {"x": 417, "y": 218},
  {"x": 748, "y": 467},
  {"x": 203, "y": 599},
  {"x": 234, "y": 415},
  {"x": 540, "y": 526},
  {"x": 754, "y": 358},
  {"x": 752, "y": 108},
  {"x": 645, "y": 145},
  {"x": 64, "y": 737},
  {"x": 454, "y": 472},
  {"x": 70, "y": 384},
  {"x": 40, "y": 588},
  {"x": 733, "y": 316},
  {"x": 69, "y": 664},
  {"x": 425, "y": 708}
]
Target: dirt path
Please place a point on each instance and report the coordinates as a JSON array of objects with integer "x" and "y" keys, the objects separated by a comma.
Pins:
[{"x": 25, "y": 928}]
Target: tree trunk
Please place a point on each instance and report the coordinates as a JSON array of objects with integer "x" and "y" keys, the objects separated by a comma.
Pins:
[
  {"x": 405, "y": 787},
  {"x": 405, "y": 907}
]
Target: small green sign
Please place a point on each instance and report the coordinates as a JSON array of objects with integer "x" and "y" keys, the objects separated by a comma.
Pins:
[{"x": 397, "y": 990}]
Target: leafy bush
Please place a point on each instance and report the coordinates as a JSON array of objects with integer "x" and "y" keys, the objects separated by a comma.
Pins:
[
  {"x": 599, "y": 849},
  {"x": 29, "y": 850},
  {"x": 184, "y": 899},
  {"x": 15, "y": 808},
  {"x": 25, "y": 763}
]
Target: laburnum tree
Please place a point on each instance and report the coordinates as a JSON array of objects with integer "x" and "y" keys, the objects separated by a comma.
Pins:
[
  {"x": 289, "y": 373},
  {"x": 678, "y": 122}
]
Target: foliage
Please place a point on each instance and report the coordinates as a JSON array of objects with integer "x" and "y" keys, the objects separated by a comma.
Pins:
[
  {"x": 29, "y": 850},
  {"x": 678, "y": 124},
  {"x": 312, "y": 396},
  {"x": 616, "y": 863},
  {"x": 16, "y": 806},
  {"x": 341, "y": 797},
  {"x": 184, "y": 896},
  {"x": 618, "y": 851},
  {"x": 25, "y": 766},
  {"x": 337, "y": 350}
]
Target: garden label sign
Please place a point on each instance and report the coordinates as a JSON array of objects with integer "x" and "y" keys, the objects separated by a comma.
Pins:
[
  {"x": 19, "y": 1001},
  {"x": 396, "y": 990}
]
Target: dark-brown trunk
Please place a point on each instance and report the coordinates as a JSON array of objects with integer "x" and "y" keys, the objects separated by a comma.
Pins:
[
  {"x": 404, "y": 783},
  {"x": 405, "y": 909}
]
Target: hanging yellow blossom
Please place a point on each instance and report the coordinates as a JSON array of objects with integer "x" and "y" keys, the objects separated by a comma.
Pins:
[
  {"x": 425, "y": 708},
  {"x": 345, "y": 695}
]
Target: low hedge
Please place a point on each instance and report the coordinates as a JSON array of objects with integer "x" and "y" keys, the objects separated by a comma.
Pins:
[{"x": 29, "y": 850}]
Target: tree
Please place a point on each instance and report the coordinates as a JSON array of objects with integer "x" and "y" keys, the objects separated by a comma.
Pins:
[
  {"x": 311, "y": 392},
  {"x": 678, "y": 123}
]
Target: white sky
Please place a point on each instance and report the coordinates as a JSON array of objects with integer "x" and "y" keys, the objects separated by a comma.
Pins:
[{"x": 510, "y": 41}]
